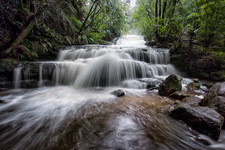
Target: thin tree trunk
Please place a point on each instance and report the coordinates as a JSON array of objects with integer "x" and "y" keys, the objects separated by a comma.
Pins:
[
  {"x": 86, "y": 19},
  {"x": 156, "y": 9},
  {"x": 164, "y": 8},
  {"x": 160, "y": 8},
  {"x": 149, "y": 15},
  {"x": 93, "y": 19}
]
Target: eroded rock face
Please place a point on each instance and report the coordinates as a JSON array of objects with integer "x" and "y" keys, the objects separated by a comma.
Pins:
[
  {"x": 202, "y": 119},
  {"x": 215, "y": 98},
  {"x": 170, "y": 85}
]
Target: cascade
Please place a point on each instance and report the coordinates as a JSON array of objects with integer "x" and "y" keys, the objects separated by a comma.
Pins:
[
  {"x": 17, "y": 77},
  {"x": 129, "y": 63},
  {"x": 72, "y": 106}
]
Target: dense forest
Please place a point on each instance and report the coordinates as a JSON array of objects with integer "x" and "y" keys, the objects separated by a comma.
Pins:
[
  {"x": 32, "y": 29},
  {"x": 193, "y": 29}
]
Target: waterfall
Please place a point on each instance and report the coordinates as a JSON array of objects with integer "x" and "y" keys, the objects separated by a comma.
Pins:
[
  {"x": 17, "y": 77},
  {"x": 128, "y": 61},
  {"x": 73, "y": 106}
]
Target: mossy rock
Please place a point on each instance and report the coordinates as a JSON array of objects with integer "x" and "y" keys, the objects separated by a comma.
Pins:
[{"x": 170, "y": 85}]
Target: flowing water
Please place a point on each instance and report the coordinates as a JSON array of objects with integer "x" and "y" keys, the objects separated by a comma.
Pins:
[{"x": 73, "y": 108}]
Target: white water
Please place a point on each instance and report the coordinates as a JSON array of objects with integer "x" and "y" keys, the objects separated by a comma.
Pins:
[
  {"x": 17, "y": 77},
  {"x": 78, "y": 112},
  {"x": 101, "y": 66}
]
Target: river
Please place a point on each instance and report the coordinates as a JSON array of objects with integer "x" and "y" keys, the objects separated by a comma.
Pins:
[{"x": 72, "y": 106}]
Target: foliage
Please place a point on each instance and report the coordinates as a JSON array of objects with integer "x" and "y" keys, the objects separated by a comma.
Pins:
[
  {"x": 209, "y": 21},
  {"x": 193, "y": 28},
  {"x": 201, "y": 18},
  {"x": 103, "y": 20},
  {"x": 56, "y": 23}
]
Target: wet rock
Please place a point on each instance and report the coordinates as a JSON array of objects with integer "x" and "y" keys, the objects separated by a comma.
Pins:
[
  {"x": 207, "y": 84},
  {"x": 177, "y": 102},
  {"x": 195, "y": 85},
  {"x": 1, "y": 101},
  {"x": 179, "y": 95},
  {"x": 193, "y": 101},
  {"x": 118, "y": 93},
  {"x": 170, "y": 85},
  {"x": 215, "y": 98},
  {"x": 202, "y": 140},
  {"x": 202, "y": 119}
]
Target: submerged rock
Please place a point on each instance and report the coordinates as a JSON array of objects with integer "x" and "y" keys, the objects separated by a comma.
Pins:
[
  {"x": 215, "y": 98},
  {"x": 202, "y": 119},
  {"x": 118, "y": 93},
  {"x": 170, "y": 85}
]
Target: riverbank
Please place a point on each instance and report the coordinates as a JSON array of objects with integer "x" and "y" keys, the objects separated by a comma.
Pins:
[{"x": 198, "y": 63}]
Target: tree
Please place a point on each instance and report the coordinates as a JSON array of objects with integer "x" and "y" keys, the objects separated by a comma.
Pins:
[{"x": 162, "y": 19}]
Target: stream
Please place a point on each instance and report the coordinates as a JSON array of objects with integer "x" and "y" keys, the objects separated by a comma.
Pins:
[{"x": 72, "y": 105}]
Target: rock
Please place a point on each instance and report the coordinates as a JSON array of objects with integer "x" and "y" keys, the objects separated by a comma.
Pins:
[
  {"x": 177, "y": 102},
  {"x": 179, "y": 95},
  {"x": 118, "y": 93},
  {"x": 193, "y": 101},
  {"x": 215, "y": 98},
  {"x": 202, "y": 119},
  {"x": 208, "y": 84},
  {"x": 195, "y": 85},
  {"x": 170, "y": 85}
]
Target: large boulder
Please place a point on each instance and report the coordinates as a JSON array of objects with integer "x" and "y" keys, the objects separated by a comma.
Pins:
[
  {"x": 170, "y": 85},
  {"x": 215, "y": 98},
  {"x": 202, "y": 119}
]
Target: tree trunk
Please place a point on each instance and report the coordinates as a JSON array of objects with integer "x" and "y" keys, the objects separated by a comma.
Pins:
[
  {"x": 26, "y": 30},
  {"x": 149, "y": 15},
  {"x": 33, "y": 12},
  {"x": 160, "y": 8},
  {"x": 93, "y": 18},
  {"x": 86, "y": 19},
  {"x": 164, "y": 8},
  {"x": 156, "y": 9}
]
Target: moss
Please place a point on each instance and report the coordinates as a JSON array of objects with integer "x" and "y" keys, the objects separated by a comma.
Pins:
[{"x": 8, "y": 64}]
